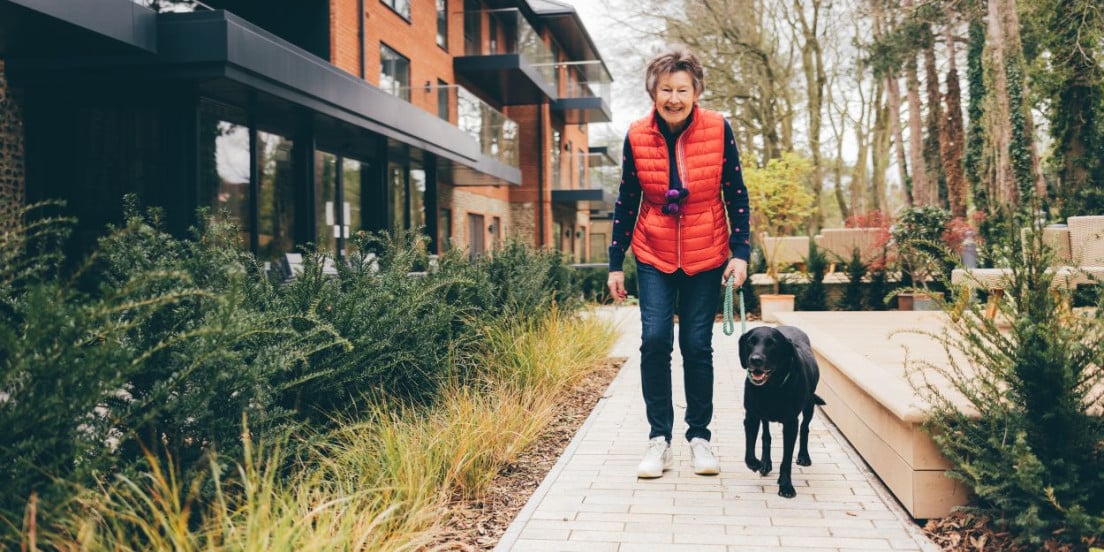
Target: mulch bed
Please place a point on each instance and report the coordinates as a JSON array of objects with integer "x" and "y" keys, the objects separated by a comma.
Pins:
[{"x": 479, "y": 524}]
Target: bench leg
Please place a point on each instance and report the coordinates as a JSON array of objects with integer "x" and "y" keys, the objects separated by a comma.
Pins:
[{"x": 992, "y": 305}]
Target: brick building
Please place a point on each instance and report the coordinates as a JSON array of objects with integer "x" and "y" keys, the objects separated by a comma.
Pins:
[{"x": 307, "y": 120}]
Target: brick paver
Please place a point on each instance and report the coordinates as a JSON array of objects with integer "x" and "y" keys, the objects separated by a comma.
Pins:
[{"x": 592, "y": 500}]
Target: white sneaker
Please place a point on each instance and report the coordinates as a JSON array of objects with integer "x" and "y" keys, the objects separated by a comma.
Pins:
[
  {"x": 702, "y": 456},
  {"x": 656, "y": 460}
]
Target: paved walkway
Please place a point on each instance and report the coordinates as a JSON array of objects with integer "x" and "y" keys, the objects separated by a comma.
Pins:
[{"x": 592, "y": 500}]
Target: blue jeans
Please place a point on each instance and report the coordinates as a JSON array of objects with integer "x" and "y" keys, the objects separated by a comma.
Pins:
[{"x": 696, "y": 299}]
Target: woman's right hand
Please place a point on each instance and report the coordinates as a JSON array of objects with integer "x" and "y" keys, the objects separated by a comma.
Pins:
[{"x": 616, "y": 284}]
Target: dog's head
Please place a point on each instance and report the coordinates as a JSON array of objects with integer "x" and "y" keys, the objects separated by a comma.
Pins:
[{"x": 765, "y": 353}]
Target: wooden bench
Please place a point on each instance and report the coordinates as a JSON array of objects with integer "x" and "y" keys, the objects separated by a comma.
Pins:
[
  {"x": 840, "y": 243},
  {"x": 870, "y": 400},
  {"x": 1078, "y": 249},
  {"x": 785, "y": 250}
]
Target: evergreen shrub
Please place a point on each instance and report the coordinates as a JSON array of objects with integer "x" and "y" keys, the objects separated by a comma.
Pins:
[
  {"x": 856, "y": 269},
  {"x": 1034, "y": 452},
  {"x": 813, "y": 296}
]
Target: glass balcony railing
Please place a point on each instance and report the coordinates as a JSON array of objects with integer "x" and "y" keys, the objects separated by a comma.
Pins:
[
  {"x": 496, "y": 133},
  {"x": 508, "y": 32},
  {"x": 586, "y": 79},
  {"x": 587, "y": 90},
  {"x": 177, "y": 6}
]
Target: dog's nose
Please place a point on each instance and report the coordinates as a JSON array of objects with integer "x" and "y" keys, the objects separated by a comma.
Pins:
[{"x": 756, "y": 360}]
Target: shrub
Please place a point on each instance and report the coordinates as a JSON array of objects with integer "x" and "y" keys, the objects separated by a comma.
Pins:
[
  {"x": 408, "y": 330},
  {"x": 918, "y": 234},
  {"x": 1033, "y": 454},
  {"x": 879, "y": 288},
  {"x": 853, "y": 293},
  {"x": 813, "y": 295}
]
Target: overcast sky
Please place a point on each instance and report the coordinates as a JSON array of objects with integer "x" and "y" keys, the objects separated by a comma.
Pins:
[{"x": 623, "y": 54}]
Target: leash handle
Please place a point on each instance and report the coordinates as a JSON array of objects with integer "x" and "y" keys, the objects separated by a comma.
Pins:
[{"x": 727, "y": 323}]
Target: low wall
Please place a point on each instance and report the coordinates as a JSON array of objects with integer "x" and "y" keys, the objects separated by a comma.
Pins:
[{"x": 862, "y": 366}]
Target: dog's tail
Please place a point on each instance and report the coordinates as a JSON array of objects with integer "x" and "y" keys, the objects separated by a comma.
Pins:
[{"x": 818, "y": 400}]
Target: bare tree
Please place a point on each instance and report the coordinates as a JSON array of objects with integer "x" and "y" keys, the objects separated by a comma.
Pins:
[
  {"x": 806, "y": 28},
  {"x": 916, "y": 146}
]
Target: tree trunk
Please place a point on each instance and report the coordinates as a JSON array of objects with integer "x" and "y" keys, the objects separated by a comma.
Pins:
[
  {"x": 975, "y": 136},
  {"x": 1002, "y": 182},
  {"x": 952, "y": 139},
  {"x": 812, "y": 63},
  {"x": 881, "y": 146},
  {"x": 933, "y": 161},
  {"x": 919, "y": 192}
]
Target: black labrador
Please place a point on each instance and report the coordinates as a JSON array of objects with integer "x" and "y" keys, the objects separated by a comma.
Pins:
[{"x": 782, "y": 376}]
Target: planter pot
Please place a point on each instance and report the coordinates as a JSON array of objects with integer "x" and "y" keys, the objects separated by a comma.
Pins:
[
  {"x": 916, "y": 302},
  {"x": 769, "y": 304}
]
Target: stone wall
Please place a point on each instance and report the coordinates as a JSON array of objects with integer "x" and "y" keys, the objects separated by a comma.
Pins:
[{"x": 12, "y": 169}]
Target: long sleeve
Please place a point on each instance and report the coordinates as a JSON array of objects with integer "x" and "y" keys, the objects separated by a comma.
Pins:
[
  {"x": 736, "y": 199},
  {"x": 625, "y": 210}
]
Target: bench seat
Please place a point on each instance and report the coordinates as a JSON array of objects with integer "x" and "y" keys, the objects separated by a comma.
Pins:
[{"x": 869, "y": 398}]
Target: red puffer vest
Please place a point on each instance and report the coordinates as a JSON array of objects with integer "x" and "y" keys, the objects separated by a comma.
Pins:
[{"x": 696, "y": 239}]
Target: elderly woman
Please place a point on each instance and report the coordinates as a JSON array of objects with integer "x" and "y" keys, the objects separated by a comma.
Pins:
[{"x": 683, "y": 208}]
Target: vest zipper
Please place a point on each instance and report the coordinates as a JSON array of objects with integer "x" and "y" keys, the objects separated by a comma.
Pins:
[{"x": 680, "y": 166}]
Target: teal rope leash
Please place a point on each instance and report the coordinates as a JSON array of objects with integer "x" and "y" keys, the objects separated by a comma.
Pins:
[{"x": 727, "y": 324}]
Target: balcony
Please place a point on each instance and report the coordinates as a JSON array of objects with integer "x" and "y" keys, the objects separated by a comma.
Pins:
[
  {"x": 510, "y": 63},
  {"x": 586, "y": 94},
  {"x": 496, "y": 134},
  {"x": 574, "y": 186}
]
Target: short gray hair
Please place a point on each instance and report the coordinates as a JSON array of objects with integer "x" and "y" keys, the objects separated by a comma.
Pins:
[{"x": 675, "y": 60}]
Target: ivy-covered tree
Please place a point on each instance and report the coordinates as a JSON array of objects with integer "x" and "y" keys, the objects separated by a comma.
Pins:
[{"x": 1070, "y": 81}]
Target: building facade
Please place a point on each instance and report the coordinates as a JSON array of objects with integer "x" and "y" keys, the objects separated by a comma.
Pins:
[{"x": 306, "y": 120}]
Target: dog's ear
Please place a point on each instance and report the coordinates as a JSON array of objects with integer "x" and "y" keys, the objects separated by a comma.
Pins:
[{"x": 745, "y": 349}]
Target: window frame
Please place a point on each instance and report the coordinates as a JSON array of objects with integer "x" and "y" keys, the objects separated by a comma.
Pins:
[
  {"x": 442, "y": 24},
  {"x": 384, "y": 63},
  {"x": 393, "y": 6}
]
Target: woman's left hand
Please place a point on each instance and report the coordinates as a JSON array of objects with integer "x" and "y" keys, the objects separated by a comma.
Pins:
[{"x": 737, "y": 268}]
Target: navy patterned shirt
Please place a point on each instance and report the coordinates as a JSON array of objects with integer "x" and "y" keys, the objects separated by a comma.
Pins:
[{"x": 733, "y": 191}]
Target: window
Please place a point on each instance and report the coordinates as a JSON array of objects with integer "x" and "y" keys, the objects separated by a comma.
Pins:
[
  {"x": 473, "y": 28},
  {"x": 496, "y": 233},
  {"x": 442, "y": 23},
  {"x": 394, "y": 72},
  {"x": 444, "y": 230},
  {"x": 443, "y": 99},
  {"x": 401, "y": 7},
  {"x": 275, "y": 196},
  {"x": 492, "y": 32},
  {"x": 475, "y": 236},
  {"x": 557, "y": 143}
]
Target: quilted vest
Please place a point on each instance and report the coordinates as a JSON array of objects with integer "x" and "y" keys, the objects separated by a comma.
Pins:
[{"x": 696, "y": 239}]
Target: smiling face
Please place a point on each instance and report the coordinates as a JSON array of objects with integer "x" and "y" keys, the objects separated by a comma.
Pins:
[{"x": 675, "y": 97}]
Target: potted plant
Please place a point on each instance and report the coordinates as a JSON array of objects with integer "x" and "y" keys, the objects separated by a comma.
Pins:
[
  {"x": 781, "y": 204},
  {"x": 918, "y": 235}
]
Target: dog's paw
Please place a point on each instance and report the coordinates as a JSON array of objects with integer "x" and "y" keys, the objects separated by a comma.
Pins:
[
  {"x": 752, "y": 463},
  {"x": 766, "y": 467},
  {"x": 803, "y": 459},
  {"x": 785, "y": 490}
]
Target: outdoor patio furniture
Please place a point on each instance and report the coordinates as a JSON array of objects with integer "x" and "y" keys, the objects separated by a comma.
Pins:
[
  {"x": 839, "y": 243},
  {"x": 1079, "y": 250},
  {"x": 783, "y": 251}
]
